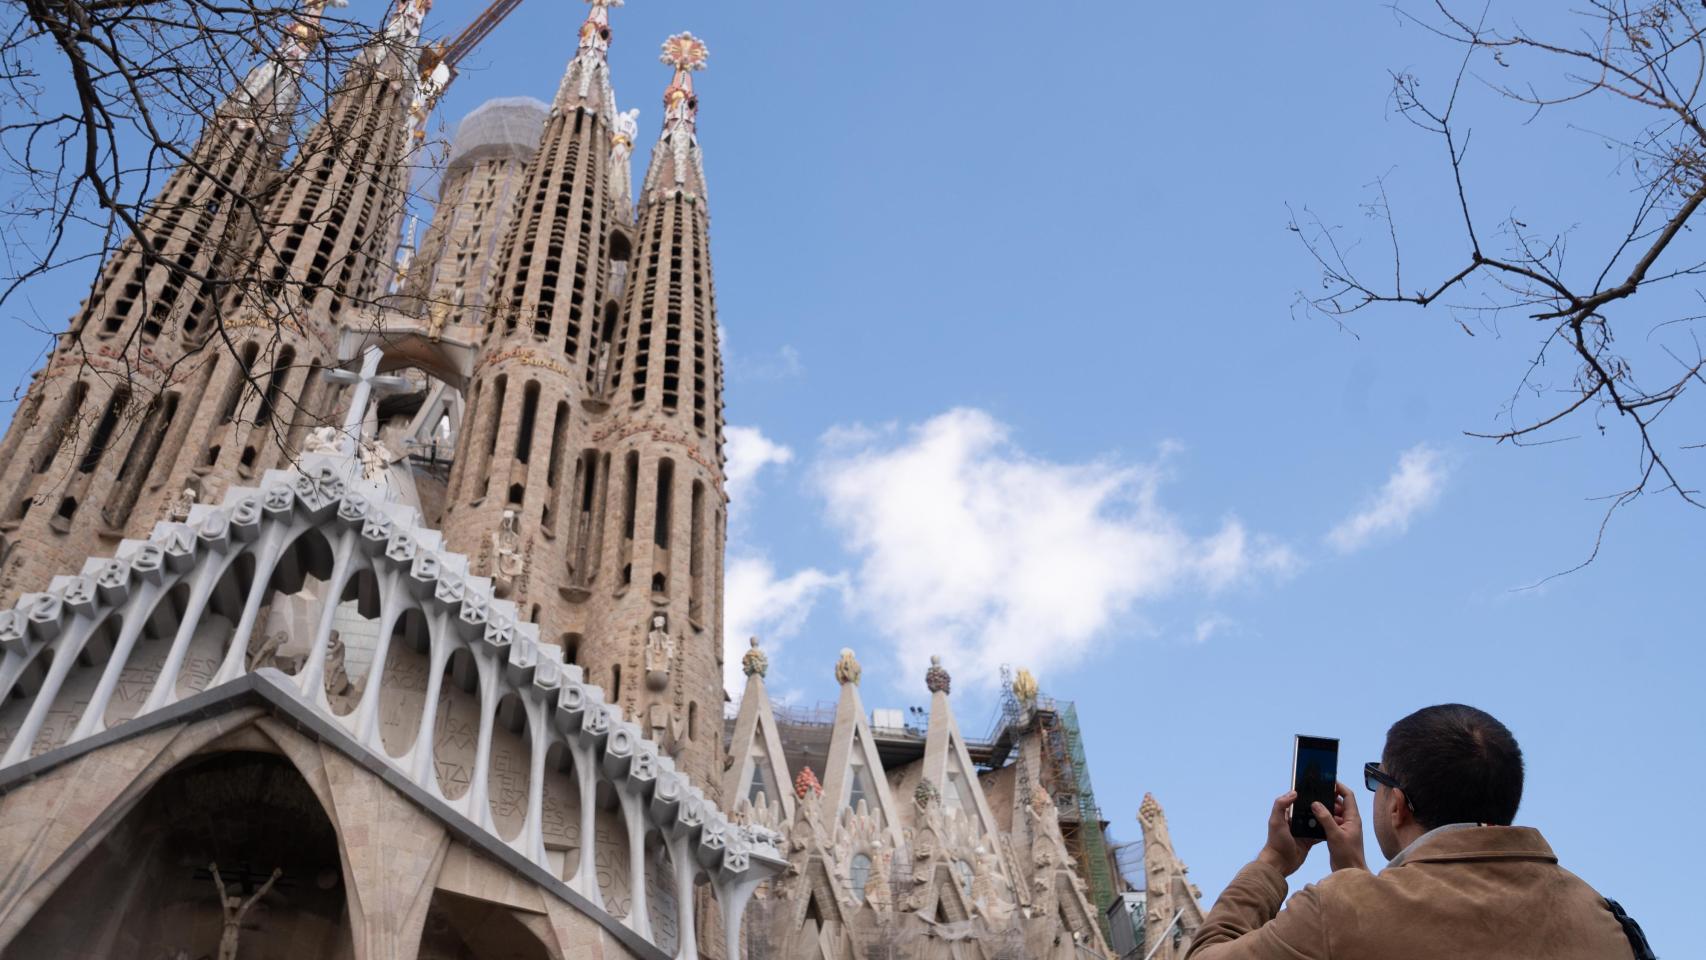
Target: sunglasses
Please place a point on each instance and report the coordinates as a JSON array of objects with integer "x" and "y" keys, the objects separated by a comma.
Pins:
[{"x": 1374, "y": 778}]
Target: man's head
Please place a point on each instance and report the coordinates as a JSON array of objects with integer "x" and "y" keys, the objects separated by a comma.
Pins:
[{"x": 1453, "y": 764}]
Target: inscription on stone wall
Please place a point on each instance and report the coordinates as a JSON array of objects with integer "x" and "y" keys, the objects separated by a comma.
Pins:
[
  {"x": 610, "y": 858},
  {"x": 457, "y": 726},
  {"x": 507, "y": 780},
  {"x": 402, "y": 697}
]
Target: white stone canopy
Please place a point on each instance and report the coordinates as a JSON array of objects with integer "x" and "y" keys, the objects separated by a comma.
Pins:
[{"x": 125, "y": 638}]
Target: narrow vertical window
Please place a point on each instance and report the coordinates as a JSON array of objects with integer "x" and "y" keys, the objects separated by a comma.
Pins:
[
  {"x": 630, "y": 493},
  {"x": 62, "y": 425},
  {"x": 104, "y": 431},
  {"x": 666, "y": 486},
  {"x": 696, "y": 553},
  {"x": 529, "y": 416},
  {"x": 275, "y": 382}
]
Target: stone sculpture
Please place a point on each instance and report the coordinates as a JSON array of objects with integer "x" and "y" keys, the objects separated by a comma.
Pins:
[
  {"x": 847, "y": 669},
  {"x": 234, "y": 909},
  {"x": 660, "y": 652}
]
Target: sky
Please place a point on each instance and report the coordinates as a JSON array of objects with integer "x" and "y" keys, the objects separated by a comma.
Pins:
[{"x": 1015, "y": 377}]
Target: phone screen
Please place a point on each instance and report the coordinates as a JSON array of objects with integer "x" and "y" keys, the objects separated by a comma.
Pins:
[{"x": 1314, "y": 772}]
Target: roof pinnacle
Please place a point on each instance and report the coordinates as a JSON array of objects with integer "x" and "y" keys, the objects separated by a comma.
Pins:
[
  {"x": 687, "y": 54},
  {"x": 595, "y": 31}
]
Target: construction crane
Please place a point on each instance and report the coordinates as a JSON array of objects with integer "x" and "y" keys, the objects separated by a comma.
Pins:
[{"x": 450, "y": 54}]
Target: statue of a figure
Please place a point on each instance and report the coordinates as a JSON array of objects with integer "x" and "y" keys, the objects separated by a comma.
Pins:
[
  {"x": 660, "y": 652},
  {"x": 337, "y": 674},
  {"x": 265, "y": 654},
  {"x": 180, "y": 506},
  {"x": 376, "y": 458},
  {"x": 234, "y": 909},
  {"x": 324, "y": 440},
  {"x": 508, "y": 563}
]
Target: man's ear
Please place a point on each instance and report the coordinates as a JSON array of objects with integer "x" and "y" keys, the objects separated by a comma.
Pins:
[{"x": 1398, "y": 810}]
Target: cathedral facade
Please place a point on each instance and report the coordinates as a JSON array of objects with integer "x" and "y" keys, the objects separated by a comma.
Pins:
[{"x": 371, "y": 604}]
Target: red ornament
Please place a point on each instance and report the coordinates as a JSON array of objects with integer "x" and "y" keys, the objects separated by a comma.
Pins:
[{"x": 806, "y": 782}]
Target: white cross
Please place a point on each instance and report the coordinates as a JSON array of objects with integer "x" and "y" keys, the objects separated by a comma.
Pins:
[{"x": 367, "y": 382}]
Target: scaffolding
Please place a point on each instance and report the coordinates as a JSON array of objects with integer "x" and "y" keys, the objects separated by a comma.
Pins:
[{"x": 1065, "y": 776}]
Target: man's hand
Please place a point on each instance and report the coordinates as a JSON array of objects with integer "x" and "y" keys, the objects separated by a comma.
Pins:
[
  {"x": 1343, "y": 829},
  {"x": 1285, "y": 852}
]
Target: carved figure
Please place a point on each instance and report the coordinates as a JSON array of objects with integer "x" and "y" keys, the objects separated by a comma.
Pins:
[
  {"x": 660, "y": 653},
  {"x": 508, "y": 561},
  {"x": 181, "y": 505},
  {"x": 376, "y": 458},
  {"x": 234, "y": 909},
  {"x": 925, "y": 795},
  {"x": 323, "y": 440}
]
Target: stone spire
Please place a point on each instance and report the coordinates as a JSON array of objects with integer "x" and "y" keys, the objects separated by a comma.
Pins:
[
  {"x": 645, "y": 535},
  {"x": 108, "y": 417},
  {"x": 1169, "y": 895},
  {"x": 676, "y": 165},
  {"x": 586, "y": 80},
  {"x": 528, "y": 445}
]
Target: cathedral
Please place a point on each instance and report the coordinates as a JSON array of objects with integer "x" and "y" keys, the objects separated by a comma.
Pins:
[{"x": 364, "y": 598}]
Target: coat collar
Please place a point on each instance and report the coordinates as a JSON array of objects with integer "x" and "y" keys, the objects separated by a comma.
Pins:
[{"x": 1472, "y": 841}]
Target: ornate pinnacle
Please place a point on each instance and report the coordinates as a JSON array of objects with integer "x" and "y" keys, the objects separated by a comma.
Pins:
[
  {"x": 1024, "y": 687},
  {"x": 595, "y": 31},
  {"x": 847, "y": 669},
  {"x": 925, "y": 794},
  {"x": 686, "y": 53},
  {"x": 806, "y": 783},
  {"x": 936, "y": 678},
  {"x": 755, "y": 663}
]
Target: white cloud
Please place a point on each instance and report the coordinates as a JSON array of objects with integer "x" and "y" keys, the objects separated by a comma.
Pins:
[
  {"x": 756, "y": 602},
  {"x": 748, "y": 451},
  {"x": 1413, "y": 487},
  {"x": 1210, "y": 625},
  {"x": 971, "y": 548}
]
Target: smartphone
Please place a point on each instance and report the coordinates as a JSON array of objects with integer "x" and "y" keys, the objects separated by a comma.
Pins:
[{"x": 1314, "y": 771}]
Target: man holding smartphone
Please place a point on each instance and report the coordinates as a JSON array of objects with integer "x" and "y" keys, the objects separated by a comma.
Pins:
[{"x": 1460, "y": 881}]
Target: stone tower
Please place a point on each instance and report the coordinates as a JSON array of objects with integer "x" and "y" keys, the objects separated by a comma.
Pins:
[
  {"x": 118, "y": 394},
  {"x": 324, "y": 247},
  {"x": 1172, "y": 903},
  {"x": 657, "y": 580},
  {"x": 528, "y": 417},
  {"x": 594, "y": 502},
  {"x": 450, "y": 277}
]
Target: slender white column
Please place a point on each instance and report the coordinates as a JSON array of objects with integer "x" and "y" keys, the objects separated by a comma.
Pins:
[
  {"x": 639, "y": 915},
  {"x": 136, "y": 613},
  {"x": 65, "y": 651},
  {"x": 394, "y": 601},
  {"x": 479, "y": 791}
]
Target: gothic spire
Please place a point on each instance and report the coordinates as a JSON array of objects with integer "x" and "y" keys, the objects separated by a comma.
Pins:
[
  {"x": 589, "y": 66},
  {"x": 676, "y": 164},
  {"x": 271, "y": 87}
]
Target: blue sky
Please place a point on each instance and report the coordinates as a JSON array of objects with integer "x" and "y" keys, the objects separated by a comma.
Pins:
[{"x": 1014, "y": 376}]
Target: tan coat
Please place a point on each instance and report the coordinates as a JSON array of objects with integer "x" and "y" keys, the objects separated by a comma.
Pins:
[{"x": 1487, "y": 893}]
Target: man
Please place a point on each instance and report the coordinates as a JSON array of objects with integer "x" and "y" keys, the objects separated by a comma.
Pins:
[{"x": 1461, "y": 881}]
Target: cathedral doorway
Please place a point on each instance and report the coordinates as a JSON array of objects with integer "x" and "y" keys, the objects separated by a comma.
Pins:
[
  {"x": 462, "y": 928},
  {"x": 148, "y": 889}
]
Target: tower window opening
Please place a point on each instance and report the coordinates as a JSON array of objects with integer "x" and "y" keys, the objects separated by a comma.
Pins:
[
  {"x": 516, "y": 492},
  {"x": 630, "y": 492},
  {"x": 529, "y": 414},
  {"x": 62, "y": 425},
  {"x": 104, "y": 432},
  {"x": 615, "y": 682},
  {"x": 275, "y": 383},
  {"x": 665, "y": 487}
]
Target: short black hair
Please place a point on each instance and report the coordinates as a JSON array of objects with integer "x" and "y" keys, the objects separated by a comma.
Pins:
[{"x": 1456, "y": 764}]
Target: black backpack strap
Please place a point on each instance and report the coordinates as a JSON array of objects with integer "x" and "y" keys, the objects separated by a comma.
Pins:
[{"x": 1632, "y": 930}]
